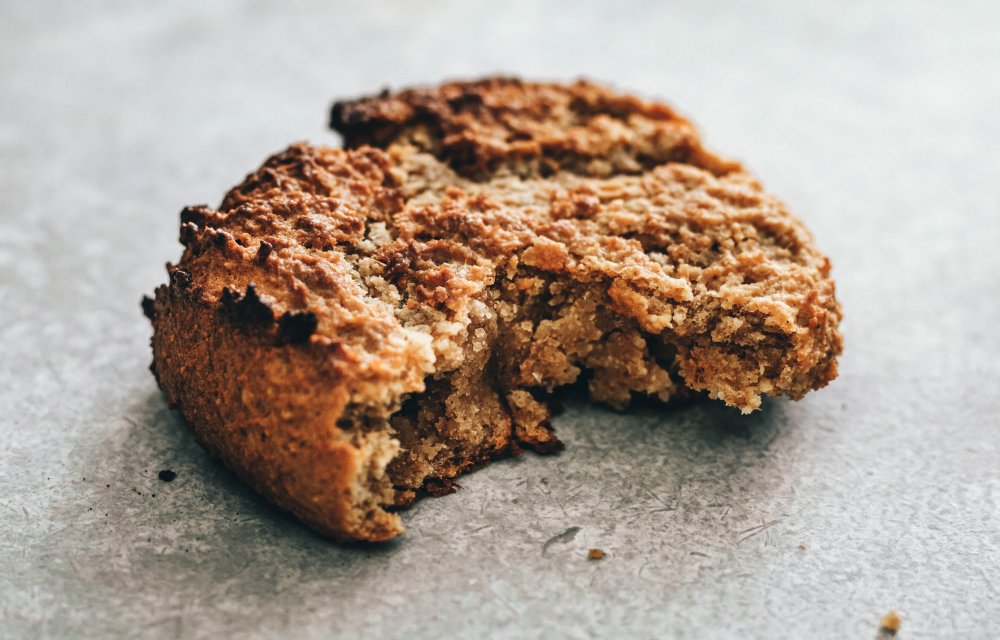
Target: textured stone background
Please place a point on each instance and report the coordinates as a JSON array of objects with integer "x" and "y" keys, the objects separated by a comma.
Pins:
[{"x": 877, "y": 121}]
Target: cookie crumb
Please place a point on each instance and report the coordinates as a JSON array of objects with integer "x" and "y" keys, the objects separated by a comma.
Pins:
[
  {"x": 595, "y": 554},
  {"x": 802, "y": 545},
  {"x": 890, "y": 623},
  {"x": 167, "y": 475}
]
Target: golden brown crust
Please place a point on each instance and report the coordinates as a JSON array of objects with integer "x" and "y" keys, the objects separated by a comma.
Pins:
[
  {"x": 527, "y": 127},
  {"x": 352, "y": 327}
]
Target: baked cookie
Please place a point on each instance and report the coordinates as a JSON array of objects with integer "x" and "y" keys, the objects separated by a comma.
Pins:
[{"x": 353, "y": 327}]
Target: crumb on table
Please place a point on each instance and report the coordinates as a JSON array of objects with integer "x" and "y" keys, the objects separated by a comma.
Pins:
[
  {"x": 890, "y": 623},
  {"x": 595, "y": 554}
]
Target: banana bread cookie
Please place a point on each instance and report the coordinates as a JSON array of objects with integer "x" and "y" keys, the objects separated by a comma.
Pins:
[{"x": 354, "y": 327}]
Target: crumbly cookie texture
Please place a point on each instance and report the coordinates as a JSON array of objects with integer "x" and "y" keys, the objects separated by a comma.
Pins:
[{"x": 352, "y": 328}]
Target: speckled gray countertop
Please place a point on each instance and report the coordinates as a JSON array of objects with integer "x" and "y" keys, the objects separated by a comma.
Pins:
[{"x": 878, "y": 123}]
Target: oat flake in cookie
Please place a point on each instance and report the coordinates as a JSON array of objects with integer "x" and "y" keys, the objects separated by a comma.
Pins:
[{"x": 354, "y": 327}]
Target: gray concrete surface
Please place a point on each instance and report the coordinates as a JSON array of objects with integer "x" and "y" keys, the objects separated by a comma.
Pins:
[{"x": 878, "y": 122}]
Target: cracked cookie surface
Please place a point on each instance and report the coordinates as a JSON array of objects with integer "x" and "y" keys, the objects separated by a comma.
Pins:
[{"x": 352, "y": 327}]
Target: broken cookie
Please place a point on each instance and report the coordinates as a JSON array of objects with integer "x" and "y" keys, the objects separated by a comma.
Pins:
[{"x": 353, "y": 327}]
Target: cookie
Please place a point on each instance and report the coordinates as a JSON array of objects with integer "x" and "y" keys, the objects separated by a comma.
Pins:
[{"x": 352, "y": 328}]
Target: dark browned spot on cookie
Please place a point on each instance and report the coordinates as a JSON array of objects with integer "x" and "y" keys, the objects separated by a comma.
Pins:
[
  {"x": 180, "y": 277},
  {"x": 295, "y": 327},
  {"x": 223, "y": 239},
  {"x": 189, "y": 233},
  {"x": 196, "y": 214},
  {"x": 264, "y": 250},
  {"x": 247, "y": 309}
]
